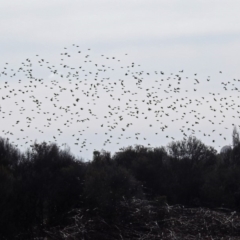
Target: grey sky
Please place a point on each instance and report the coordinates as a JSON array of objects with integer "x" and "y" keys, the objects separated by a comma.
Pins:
[{"x": 197, "y": 36}]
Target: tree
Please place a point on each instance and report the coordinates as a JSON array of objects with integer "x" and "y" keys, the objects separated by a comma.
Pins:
[
  {"x": 49, "y": 184},
  {"x": 190, "y": 158},
  {"x": 106, "y": 184},
  {"x": 9, "y": 155},
  {"x": 192, "y": 149},
  {"x": 235, "y": 137}
]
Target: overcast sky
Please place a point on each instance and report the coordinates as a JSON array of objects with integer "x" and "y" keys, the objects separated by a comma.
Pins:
[{"x": 200, "y": 37}]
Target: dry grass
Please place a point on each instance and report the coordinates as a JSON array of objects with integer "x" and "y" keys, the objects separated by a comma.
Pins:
[{"x": 140, "y": 219}]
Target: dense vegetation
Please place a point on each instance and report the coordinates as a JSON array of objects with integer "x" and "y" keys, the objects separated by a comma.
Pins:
[{"x": 42, "y": 186}]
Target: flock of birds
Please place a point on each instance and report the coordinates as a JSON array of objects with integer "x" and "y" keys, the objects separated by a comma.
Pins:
[{"x": 90, "y": 103}]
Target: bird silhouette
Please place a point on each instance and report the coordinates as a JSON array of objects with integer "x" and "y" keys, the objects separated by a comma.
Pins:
[{"x": 86, "y": 95}]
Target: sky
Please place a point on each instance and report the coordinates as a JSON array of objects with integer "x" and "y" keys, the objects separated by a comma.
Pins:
[{"x": 198, "y": 37}]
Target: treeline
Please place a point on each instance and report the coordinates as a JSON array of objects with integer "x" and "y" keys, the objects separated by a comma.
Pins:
[{"x": 40, "y": 186}]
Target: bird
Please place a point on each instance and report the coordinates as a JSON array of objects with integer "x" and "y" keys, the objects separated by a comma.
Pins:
[{"x": 86, "y": 96}]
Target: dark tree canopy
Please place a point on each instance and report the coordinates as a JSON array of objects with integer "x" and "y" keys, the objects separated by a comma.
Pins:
[{"x": 40, "y": 187}]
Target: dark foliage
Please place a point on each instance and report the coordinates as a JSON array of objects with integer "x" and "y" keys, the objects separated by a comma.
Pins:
[{"x": 41, "y": 187}]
